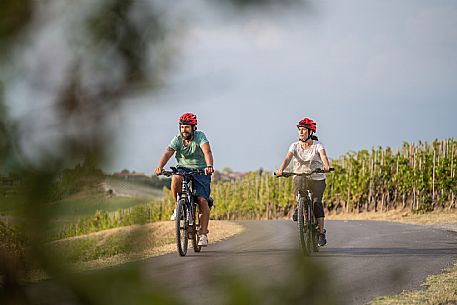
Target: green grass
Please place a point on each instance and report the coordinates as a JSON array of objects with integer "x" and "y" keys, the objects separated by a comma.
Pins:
[
  {"x": 107, "y": 244},
  {"x": 71, "y": 209},
  {"x": 87, "y": 249}
]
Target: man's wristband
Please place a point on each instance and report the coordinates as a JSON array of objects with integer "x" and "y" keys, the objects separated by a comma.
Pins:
[{"x": 209, "y": 166}]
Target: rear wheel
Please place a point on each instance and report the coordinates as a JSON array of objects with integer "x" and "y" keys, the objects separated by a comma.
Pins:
[
  {"x": 303, "y": 229},
  {"x": 182, "y": 227},
  {"x": 196, "y": 238}
]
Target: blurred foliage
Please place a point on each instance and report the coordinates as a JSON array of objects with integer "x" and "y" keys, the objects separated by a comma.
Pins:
[
  {"x": 14, "y": 18},
  {"x": 264, "y": 4},
  {"x": 72, "y": 181},
  {"x": 116, "y": 49}
]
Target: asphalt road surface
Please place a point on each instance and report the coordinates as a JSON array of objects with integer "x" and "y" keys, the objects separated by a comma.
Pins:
[{"x": 362, "y": 260}]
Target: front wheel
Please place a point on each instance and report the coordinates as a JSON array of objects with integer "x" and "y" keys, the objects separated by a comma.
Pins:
[
  {"x": 313, "y": 230},
  {"x": 303, "y": 229},
  {"x": 182, "y": 227}
]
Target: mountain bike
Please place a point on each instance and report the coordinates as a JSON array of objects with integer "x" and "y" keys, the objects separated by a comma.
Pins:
[
  {"x": 187, "y": 211},
  {"x": 308, "y": 229}
]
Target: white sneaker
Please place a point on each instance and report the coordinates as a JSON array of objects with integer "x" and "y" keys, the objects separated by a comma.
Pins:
[
  {"x": 203, "y": 241},
  {"x": 173, "y": 217}
]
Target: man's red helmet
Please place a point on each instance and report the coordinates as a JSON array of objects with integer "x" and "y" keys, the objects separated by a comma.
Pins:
[
  {"x": 307, "y": 123},
  {"x": 188, "y": 119}
]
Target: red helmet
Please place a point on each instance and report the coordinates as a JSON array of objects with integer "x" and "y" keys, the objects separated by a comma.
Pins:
[
  {"x": 188, "y": 119},
  {"x": 307, "y": 123}
]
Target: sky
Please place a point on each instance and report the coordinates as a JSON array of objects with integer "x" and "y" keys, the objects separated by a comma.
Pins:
[{"x": 370, "y": 73}]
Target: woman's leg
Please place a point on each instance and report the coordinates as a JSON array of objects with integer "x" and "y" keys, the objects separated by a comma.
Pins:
[{"x": 317, "y": 187}]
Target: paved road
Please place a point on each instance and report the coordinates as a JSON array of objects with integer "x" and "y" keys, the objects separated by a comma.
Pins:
[{"x": 363, "y": 260}]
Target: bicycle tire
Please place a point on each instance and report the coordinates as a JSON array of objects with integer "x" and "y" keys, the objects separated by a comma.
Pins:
[
  {"x": 316, "y": 240},
  {"x": 196, "y": 238},
  {"x": 302, "y": 223},
  {"x": 182, "y": 226},
  {"x": 314, "y": 232},
  {"x": 310, "y": 225}
]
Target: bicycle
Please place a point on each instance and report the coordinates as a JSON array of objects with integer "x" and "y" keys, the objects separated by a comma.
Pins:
[
  {"x": 187, "y": 211},
  {"x": 308, "y": 229}
]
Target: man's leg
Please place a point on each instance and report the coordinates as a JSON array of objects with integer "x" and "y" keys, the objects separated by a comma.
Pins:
[
  {"x": 204, "y": 212},
  {"x": 176, "y": 185}
]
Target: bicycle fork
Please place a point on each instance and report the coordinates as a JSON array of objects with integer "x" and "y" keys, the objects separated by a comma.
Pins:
[{"x": 190, "y": 214}]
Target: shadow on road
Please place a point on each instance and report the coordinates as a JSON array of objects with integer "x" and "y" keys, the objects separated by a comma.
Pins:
[
  {"x": 253, "y": 252},
  {"x": 348, "y": 252}
]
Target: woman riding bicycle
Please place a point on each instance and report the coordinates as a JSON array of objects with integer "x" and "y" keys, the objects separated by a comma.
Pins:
[
  {"x": 192, "y": 152},
  {"x": 308, "y": 154}
]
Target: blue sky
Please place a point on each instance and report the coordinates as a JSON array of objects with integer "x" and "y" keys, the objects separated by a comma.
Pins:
[{"x": 369, "y": 72}]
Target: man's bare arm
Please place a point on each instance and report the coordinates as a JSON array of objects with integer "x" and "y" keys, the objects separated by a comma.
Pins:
[
  {"x": 206, "y": 148},
  {"x": 164, "y": 159}
]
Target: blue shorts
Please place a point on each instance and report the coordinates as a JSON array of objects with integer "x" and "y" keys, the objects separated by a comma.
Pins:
[{"x": 201, "y": 184}]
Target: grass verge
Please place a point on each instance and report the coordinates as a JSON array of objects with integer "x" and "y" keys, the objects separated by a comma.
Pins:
[{"x": 127, "y": 244}]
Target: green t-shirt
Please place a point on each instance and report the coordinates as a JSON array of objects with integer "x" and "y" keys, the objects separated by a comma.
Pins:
[{"x": 191, "y": 156}]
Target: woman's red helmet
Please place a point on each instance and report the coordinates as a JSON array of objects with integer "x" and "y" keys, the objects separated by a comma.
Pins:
[
  {"x": 307, "y": 123},
  {"x": 188, "y": 119}
]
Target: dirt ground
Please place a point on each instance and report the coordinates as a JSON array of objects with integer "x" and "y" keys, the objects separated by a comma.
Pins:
[{"x": 441, "y": 218}]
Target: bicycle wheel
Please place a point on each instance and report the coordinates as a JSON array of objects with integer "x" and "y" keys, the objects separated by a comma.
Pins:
[
  {"x": 182, "y": 226},
  {"x": 196, "y": 238},
  {"x": 315, "y": 239},
  {"x": 310, "y": 225},
  {"x": 302, "y": 223},
  {"x": 313, "y": 231}
]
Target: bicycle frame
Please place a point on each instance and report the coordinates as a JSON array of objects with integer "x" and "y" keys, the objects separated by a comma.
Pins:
[
  {"x": 187, "y": 218},
  {"x": 186, "y": 194}
]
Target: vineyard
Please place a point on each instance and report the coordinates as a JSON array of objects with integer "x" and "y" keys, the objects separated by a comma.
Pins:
[{"x": 419, "y": 176}]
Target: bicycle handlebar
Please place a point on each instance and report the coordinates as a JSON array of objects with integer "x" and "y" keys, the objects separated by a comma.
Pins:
[
  {"x": 316, "y": 171},
  {"x": 174, "y": 171}
]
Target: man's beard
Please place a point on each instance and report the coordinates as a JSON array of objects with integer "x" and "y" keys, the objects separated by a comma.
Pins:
[{"x": 186, "y": 135}]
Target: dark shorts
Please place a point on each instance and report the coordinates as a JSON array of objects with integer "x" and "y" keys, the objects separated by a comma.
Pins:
[
  {"x": 201, "y": 184},
  {"x": 317, "y": 188}
]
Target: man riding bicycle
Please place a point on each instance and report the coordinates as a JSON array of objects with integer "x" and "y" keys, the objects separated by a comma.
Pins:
[
  {"x": 309, "y": 154},
  {"x": 192, "y": 152}
]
